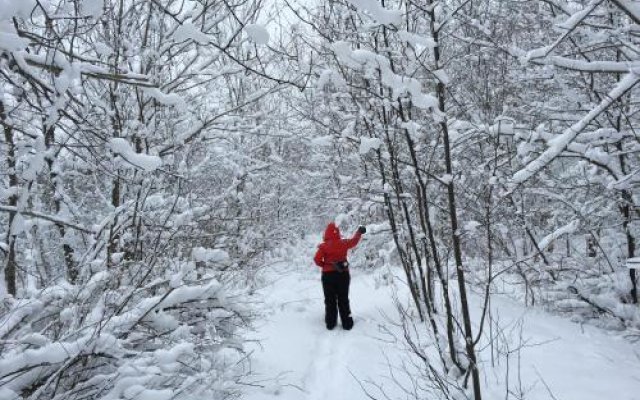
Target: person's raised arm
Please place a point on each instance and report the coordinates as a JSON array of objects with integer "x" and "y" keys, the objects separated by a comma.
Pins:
[{"x": 353, "y": 242}]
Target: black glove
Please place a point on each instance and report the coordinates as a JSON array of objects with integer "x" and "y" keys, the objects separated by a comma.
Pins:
[{"x": 362, "y": 229}]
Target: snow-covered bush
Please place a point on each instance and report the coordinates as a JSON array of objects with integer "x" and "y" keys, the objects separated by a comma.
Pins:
[
  {"x": 130, "y": 226},
  {"x": 168, "y": 333}
]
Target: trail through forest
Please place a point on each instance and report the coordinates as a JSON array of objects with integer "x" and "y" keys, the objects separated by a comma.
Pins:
[
  {"x": 297, "y": 358},
  {"x": 306, "y": 360}
]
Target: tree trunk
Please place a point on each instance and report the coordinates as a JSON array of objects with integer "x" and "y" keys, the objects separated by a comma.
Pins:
[
  {"x": 67, "y": 250},
  {"x": 453, "y": 217},
  {"x": 10, "y": 261}
]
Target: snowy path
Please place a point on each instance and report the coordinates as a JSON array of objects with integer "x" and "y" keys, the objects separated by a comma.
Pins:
[
  {"x": 298, "y": 359},
  {"x": 308, "y": 361}
]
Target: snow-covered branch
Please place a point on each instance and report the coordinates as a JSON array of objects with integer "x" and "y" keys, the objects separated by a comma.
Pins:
[
  {"x": 50, "y": 218},
  {"x": 560, "y": 143}
]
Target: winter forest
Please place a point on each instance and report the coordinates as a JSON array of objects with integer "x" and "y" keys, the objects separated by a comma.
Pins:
[{"x": 168, "y": 168}]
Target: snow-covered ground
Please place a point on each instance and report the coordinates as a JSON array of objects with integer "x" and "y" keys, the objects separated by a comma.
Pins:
[
  {"x": 297, "y": 358},
  {"x": 568, "y": 360}
]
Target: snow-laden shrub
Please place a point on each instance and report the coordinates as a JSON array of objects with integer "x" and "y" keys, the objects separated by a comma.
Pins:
[{"x": 171, "y": 334}]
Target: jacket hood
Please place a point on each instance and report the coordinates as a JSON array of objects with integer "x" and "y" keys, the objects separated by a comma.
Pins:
[{"x": 332, "y": 232}]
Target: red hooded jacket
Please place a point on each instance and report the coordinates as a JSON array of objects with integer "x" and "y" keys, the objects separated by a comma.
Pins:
[{"x": 334, "y": 248}]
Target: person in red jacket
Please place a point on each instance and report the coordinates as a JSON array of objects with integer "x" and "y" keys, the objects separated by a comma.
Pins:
[{"x": 332, "y": 258}]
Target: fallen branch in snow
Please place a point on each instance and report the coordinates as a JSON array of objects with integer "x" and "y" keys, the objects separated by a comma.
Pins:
[{"x": 599, "y": 308}]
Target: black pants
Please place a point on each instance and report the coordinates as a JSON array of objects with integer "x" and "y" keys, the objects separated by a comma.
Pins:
[{"x": 336, "y": 299}]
